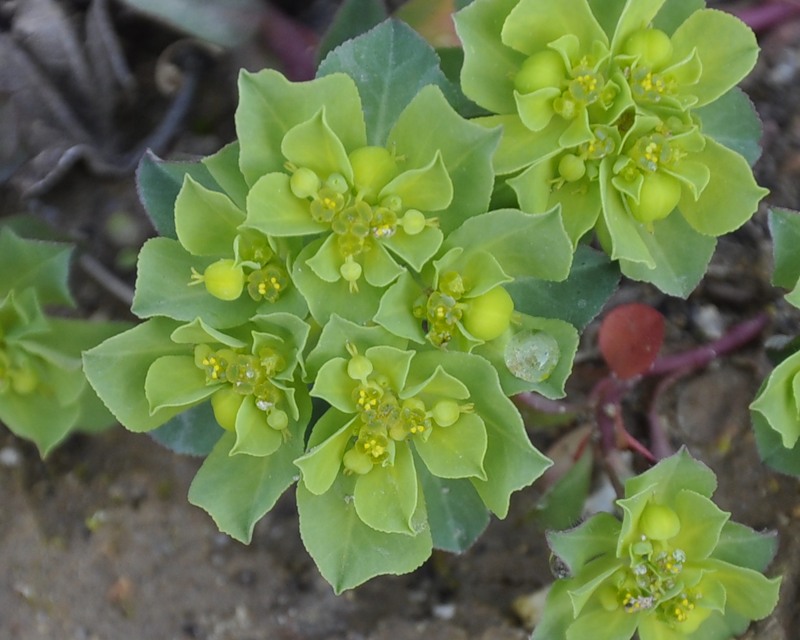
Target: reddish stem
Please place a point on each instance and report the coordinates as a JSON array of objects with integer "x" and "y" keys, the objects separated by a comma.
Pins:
[{"x": 766, "y": 15}]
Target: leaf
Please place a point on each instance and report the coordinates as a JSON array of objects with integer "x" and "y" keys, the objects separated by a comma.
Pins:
[
  {"x": 396, "y": 309},
  {"x": 43, "y": 266},
  {"x": 456, "y": 451},
  {"x": 357, "y": 552},
  {"x": 224, "y": 169},
  {"x": 254, "y": 437},
  {"x": 456, "y": 514},
  {"x": 118, "y": 367},
  {"x": 206, "y": 221},
  {"x": 192, "y": 432},
  {"x": 748, "y": 593},
  {"x": 353, "y": 18},
  {"x": 741, "y": 545},
  {"x": 511, "y": 461},
  {"x": 38, "y": 417},
  {"x": 590, "y": 540},
  {"x": 680, "y": 256},
  {"x": 386, "y": 498},
  {"x": 777, "y": 401},
  {"x": 771, "y": 449},
  {"x": 630, "y": 338},
  {"x": 732, "y": 120},
  {"x": 784, "y": 227},
  {"x": 701, "y": 523},
  {"x": 175, "y": 381},
  {"x": 723, "y": 66},
  {"x": 731, "y": 196},
  {"x": 673, "y": 14},
  {"x": 158, "y": 183},
  {"x": 162, "y": 288},
  {"x": 270, "y": 106},
  {"x": 465, "y": 147},
  {"x": 321, "y": 463},
  {"x": 524, "y": 244},
  {"x": 487, "y": 76},
  {"x": 576, "y": 300},
  {"x": 562, "y": 505},
  {"x": 390, "y": 64},
  {"x": 237, "y": 490}
]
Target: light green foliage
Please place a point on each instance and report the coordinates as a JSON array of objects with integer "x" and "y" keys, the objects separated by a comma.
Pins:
[
  {"x": 43, "y": 394},
  {"x": 625, "y": 115},
  {"x": 776, "y": 409},
  {"x": 674, "y": 568},
  {"x": 345, "y": 253}
]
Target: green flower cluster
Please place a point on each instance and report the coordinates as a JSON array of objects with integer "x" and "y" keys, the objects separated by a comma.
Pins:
[
  {"x": 314, "y": 259},
  {"x": 603, "y": 106},
  {"x": 675, "y": 568},
  {"x": 43, "y": 394}
]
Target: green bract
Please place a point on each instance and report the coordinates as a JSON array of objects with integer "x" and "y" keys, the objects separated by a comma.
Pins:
[
  {"x": 675, "y": 568},
  {"x": 776, "y": 409},
  {"x": 43, "y": 394},
  {"x": 602, "y": 105},
  {"x": 401, "y": 422}
]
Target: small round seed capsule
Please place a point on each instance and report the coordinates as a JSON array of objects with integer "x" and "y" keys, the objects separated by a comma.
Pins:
[
  {"x": 304, "y": 183},
  {"x": 489, "y": 315},
  {"x": 445, "y": 412},
  {"x": 357, "y": 462},
  {"x": 413, "y": 222},
  {"x": 652, "y": 46},
  {"x": 659, "y": 195},
  {"x": 351, "y": 270},
  {"x": 571, "y": 167},
  {"x": 278, "y": 419},
  {"x": 659, "y": 522},
  {"x": 359, "y": 367},
  {"x": 225, "y": 403},
  {"x": 543, "y": 69},
  {"x": 224, "y": 279}
]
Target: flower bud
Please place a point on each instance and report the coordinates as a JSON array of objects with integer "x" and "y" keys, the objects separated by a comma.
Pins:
[
  {"x": 659, "y": 195},
  {"x": 225, "y": 403}
]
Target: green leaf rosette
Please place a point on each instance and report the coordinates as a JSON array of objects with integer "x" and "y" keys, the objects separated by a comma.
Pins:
[
  {"x": 251, "y": 375},
  {"x": 675, "y": 568},
  {"x": 402, "y": 423},
  {"x": 461, "y": 304},
  {"x": 44, "y": 395},
  {"x": 603, "y": 105}
]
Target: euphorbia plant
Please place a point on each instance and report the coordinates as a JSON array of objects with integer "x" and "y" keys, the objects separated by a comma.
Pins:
[
  {"x": 43, "y": 393},
  {"x": 355, "y": 248},
  {"x": 606, "y": 108},
  {"x": 674, "y": 568}
]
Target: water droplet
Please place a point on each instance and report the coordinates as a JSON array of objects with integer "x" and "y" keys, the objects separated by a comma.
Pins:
[{"x": 532, "y": 355}]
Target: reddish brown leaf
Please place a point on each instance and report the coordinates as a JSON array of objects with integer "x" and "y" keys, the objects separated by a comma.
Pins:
[{"x": 630, "y": 338}]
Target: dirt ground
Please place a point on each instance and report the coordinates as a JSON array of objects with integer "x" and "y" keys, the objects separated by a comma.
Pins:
[{"x": 99, "y": 542}]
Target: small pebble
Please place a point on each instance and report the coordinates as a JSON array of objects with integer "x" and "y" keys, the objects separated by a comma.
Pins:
[{"x": 10, "y": 457}]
